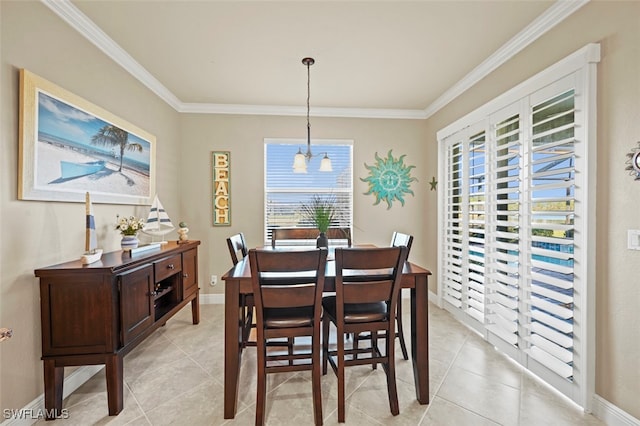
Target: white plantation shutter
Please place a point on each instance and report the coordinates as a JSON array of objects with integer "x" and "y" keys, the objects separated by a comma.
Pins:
[
  {"x": 552, "y": 227},
  {"x": 452, "y": 241},
  {"x": 285, "y": 191},
  {"x": 513, "y": 224},
  {"x": 503, "y": 257},
  {"x": 476, "y": 183},
  {"x": 464, "y": 243}
]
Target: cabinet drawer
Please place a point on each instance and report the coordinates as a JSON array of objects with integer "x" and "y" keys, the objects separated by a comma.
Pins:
[{"x": 167, "y": 267}]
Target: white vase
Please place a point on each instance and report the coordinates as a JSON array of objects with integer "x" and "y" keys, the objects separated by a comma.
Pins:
[{"x": 128, "y": 242}]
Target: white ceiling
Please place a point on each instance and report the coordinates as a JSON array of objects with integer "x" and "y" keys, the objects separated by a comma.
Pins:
[{"x": 373, "y": 58}]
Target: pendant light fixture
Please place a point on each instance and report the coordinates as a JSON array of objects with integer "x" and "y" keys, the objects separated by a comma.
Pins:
[{"x": 300, "y": 160}]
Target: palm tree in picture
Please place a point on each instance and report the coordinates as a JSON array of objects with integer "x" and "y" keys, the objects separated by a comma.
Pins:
[{"x": 113, "y": 136}]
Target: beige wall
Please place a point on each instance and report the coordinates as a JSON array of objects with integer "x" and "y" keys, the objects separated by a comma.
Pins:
[
  {"x": 616, "y": 26},
  {"x": 36, "y": 234},
  {"x": 244, "y": 137}
]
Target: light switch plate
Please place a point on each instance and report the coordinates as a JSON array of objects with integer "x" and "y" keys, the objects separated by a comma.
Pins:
[{"x": 633, "y": 239}]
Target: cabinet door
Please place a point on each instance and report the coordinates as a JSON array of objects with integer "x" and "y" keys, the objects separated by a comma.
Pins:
[
  {"x": 77, "y": 314},
  {"x": 189, "y": 273},
  {"x": 136, "y": 302}
]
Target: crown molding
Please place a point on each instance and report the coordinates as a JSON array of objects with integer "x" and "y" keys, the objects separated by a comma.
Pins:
[
  {"x": 543, "y": 23},
  {"x": 86, "y": 27},
  {"x": 205, "y": 108}
]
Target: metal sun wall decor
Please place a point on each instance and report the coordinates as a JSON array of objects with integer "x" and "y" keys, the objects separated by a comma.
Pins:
[
  {"x": 633, "y": 162},
  {"x": 389, "y": 179}
]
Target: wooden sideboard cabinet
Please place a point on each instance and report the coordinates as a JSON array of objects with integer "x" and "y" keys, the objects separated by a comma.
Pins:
[{"x": 97, "y": 313}]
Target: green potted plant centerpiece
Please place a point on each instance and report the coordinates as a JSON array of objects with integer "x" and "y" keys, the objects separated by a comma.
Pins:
[{"x": 320, "y": 211}]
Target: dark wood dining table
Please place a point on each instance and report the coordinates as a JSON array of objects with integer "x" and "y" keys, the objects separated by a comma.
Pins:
[{"x": 238, "y": 282}]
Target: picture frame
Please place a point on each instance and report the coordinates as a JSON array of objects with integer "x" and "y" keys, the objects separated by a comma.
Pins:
[{"x": 69, "y": 146}]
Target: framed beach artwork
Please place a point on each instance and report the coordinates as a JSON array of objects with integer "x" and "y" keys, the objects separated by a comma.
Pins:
[{"x": 69, "y": 146}]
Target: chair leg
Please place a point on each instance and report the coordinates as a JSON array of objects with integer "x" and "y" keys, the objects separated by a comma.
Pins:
[
  {"x": 261, "y": 385},
  {"x": 391, "y": 378},
  {"x": 325, "y": 343},
  {"x": 315, "y": 378},
  {"x": 374, "y": 348},
  {"x": 248, "y": 319},
  {"x": 400, "y": 333},
  {"x": 340, "y": 374}
]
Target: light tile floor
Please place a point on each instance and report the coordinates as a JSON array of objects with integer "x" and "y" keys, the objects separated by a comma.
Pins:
[{"x": 176, "y": 377}]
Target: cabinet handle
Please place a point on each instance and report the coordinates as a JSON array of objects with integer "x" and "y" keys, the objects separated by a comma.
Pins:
[
  {"x": 170, "y": 266},
  {"x": 185, "y": 275}
]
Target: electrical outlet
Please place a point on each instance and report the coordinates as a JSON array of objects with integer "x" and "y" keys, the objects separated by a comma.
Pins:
[
  {"x": 633, "y": 239},
  {"x": 214, "y": 279}
]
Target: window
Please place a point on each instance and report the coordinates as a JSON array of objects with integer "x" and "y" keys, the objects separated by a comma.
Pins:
[
  {"x": 516, "y": 223},
  {"x": 285, "y": 191}
]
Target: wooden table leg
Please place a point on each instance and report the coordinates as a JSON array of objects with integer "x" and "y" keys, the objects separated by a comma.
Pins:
[
  {"x": 195, "y": 308},
  {"x": 232, "y": 342},
  {"x": 420, "y": 338},
  {"x": 53, "y": 383},
  {"x": 114, "y": 369}
]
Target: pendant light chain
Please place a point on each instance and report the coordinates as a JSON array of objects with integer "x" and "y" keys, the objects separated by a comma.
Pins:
[
  {"x": 300, "y": 160},
  {"x": 308, "y": 61}
]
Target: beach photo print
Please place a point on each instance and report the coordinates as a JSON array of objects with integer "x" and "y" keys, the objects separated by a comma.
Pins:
[{"x": 69, "y": 146}]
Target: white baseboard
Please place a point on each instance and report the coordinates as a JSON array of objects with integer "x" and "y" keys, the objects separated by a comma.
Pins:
[
  {"x": 35, "y": 410},
  {"x": 612, "y": 415},
  {"x": 212, "y": 299}
]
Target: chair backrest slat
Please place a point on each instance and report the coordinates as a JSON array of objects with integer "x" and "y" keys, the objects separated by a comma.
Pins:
[
  {"x": 374, "y": 260},
  {"x": 296, "y": 296},
  {"x": 367, "y": 291}
]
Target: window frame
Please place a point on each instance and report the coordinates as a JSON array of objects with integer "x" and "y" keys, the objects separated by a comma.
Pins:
[{"x": 316, "y": 145}]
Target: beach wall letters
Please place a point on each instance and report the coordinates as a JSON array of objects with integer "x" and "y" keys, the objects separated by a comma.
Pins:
[
  {"x": 69, "y": 146},
  {"x": 221, "y": 182}
]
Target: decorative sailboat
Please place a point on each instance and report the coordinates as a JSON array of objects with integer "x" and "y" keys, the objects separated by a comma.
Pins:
[
  {"x": 158, "y": 222},
  {"x": 92, "y": 253}
]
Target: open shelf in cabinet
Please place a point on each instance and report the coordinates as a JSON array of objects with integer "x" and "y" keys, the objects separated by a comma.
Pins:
[{"x": 167, "y": 296}]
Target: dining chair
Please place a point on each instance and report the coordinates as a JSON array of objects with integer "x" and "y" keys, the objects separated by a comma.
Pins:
[
  {"x": 287, "y": 288},
  {"x": 237, "y": 246},
  {"x": 367, "y": 291},
  {"x": 238, "y": 250},
  {"x": 397, "y": 239}
]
